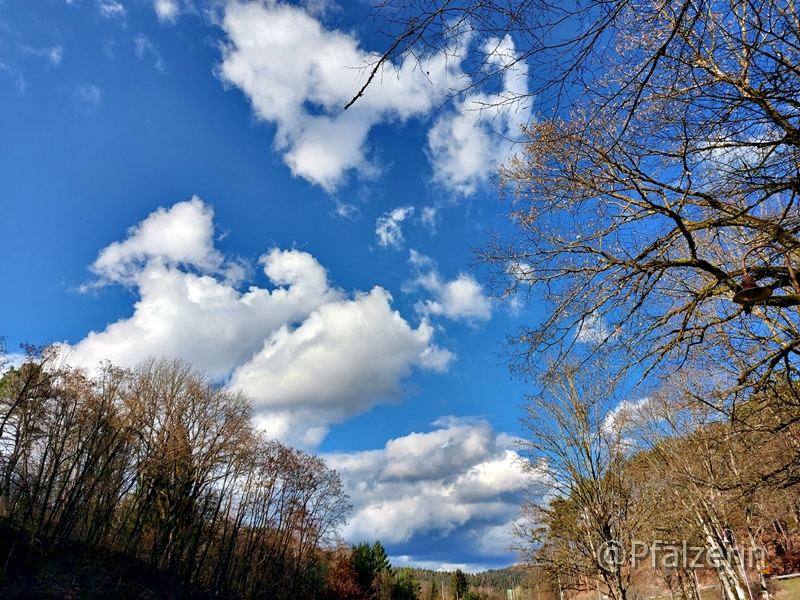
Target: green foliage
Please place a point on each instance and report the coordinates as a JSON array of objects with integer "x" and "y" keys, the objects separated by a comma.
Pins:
[
  {"x": 383, "y": 585},
  {"x": 379, "y": 558},
  {"x": 406, "y": 586},
  {"x": 369, "y": 562},
  {"x": 458, "y": 584},
  {"x": 433, "y": 591}
]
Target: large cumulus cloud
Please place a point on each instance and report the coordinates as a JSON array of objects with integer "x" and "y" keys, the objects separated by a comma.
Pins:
[
  {"x": 309, "y": 353},
  {"x": 461, "y": 480},
  {"x": 299, "y": 75}
]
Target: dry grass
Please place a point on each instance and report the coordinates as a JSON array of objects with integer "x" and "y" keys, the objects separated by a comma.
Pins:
[{"x": 788, "y": 589}]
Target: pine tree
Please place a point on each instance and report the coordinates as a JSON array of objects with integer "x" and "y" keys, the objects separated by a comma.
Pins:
[
  {"x": 459, "y": 584},
  {"x": 369, "y": 564}
]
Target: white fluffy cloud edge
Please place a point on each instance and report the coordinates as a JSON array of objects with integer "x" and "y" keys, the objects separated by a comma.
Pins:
[
  {"x": 310, "y": 355},
  {"x": 460, "y": 483},
  {"x": 307, "y": 352},
  {"x": 299, "y": 75}
]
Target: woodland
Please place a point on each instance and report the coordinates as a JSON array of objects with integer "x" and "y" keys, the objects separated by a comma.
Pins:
[
  {"x": 656, "y": 182},
  {"x": 653, "y": 207},
  {"x": 153, "y": 482}
]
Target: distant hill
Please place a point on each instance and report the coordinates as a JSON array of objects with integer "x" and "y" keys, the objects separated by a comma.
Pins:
[{"x": 499, "y": 579}]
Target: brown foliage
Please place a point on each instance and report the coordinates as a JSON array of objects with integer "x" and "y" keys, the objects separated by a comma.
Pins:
[
  {"x": 167, "y": 468},
  {"x": 342, "y": 583}
]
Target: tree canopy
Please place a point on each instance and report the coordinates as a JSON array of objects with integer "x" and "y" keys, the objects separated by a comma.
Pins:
[
  {"x": 665, "y": 146},
  {"x": 458, "y": 584},
  {"x": 164, "y": 469}
]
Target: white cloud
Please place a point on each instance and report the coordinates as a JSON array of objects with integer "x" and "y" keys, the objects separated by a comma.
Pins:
[
  {"x": 346, "y": 356},
  {"x": 429, "y": 217},
  {"x": 435, "y": 565},
  {"x": 19, "y": 79},
  {"x": 166, "y": 10},
  {"x": 593, "y": 330},
  {"x": 461, "y": 476},
  {"x": 54, "y": 54},
  {"x": 387, "y": 227},
  {"x": 466, "y": 145},
  {"x": 111, "y": 9},
  {"x": 436, "y": 359},
  {"x": 626, "y": 414},
  {"x": 458, "y": 299},
  {"x": 299, "y": 76},
  {"x": 87, "y": 97},
  {"x": 181, "y": 235},
  {"x": 320, "y": 8},
  {"x": 307, "y": 352},
  {"x": 143, "y": 45}
]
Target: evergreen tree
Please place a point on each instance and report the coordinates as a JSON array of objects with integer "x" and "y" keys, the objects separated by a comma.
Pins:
[
  {"x": 459, "y": 584},
  {"x": 379, "y": 558},
  {"x": 406, "y": 586},
  {"x": 362, "y": 563},
  {"x": 369, "y": 563}
]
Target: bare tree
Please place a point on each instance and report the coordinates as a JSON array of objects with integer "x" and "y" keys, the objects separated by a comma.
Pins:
[
  {"x": 667, "y": 470},
  {"x": 720, "y": 475},
  {"x": 163, "y": 465},
  {"x": 582, "y": 510},
  {"x": 668, "y": 144}
]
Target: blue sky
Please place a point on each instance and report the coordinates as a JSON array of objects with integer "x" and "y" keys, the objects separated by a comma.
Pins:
[{"x": 177, "y": 178}]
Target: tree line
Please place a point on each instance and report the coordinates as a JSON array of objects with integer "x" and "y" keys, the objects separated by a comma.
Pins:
[
  {"x": 364, "y": 572},
  {"x": 657, "y": 179},
  {"x": 153, "y": 482},
  {"x": 485, "y": 581},
  {"x": 165, "y": 468},
  {"x": 635, "y": 497}
]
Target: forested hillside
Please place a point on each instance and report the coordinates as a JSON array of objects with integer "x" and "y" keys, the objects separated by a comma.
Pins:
[
  {"x": 500, "y": 579},
  {"x": 153, "y": 482},
  {"x": 163, "y": 470}
]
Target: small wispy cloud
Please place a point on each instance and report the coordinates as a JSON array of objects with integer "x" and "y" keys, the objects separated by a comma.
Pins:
[
  {"x": 388, "y": 229},
  {"x": 53, "y": 54},
  {"x": 459, "y": 299},
  {"x": 594, "y": 330},
  {"x": 429, "y": 217},
  {"x": 143, "y": 46},
  {"x": 19, "y": 79},
  {"x": 87, "y": 97},
  {"x": 111, "y": 9},
  {"x": 166, "y": 10}
]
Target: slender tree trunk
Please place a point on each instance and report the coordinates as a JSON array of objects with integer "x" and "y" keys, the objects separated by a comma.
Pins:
[{"x": 731, "y": 584}]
